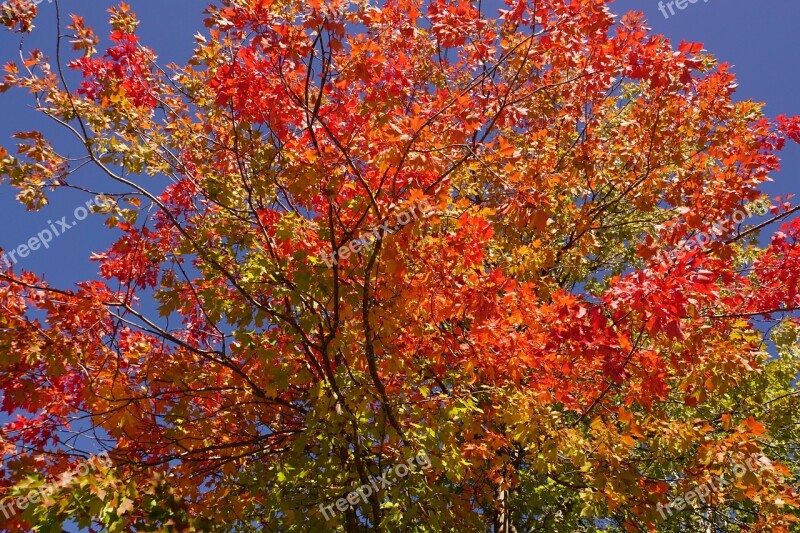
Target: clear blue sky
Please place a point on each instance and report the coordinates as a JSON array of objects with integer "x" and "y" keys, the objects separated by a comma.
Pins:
[
  {"x": 760, "y": 39},
  {"x": 166, "y": 26}
]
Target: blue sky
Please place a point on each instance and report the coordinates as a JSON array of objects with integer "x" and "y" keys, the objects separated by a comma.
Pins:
[
  {"x": 758, "y": 38},
  {"x": 166, "y": 26}
]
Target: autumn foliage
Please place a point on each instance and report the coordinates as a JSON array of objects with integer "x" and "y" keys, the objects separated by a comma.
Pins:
[{"x": 525, "y": 332}]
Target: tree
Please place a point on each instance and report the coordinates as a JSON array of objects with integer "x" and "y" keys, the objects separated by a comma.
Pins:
[{"x": 508, "y": 253}]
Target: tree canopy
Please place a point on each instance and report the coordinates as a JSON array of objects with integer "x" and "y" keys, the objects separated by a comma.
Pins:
[{"x": 530, "y": 246}]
